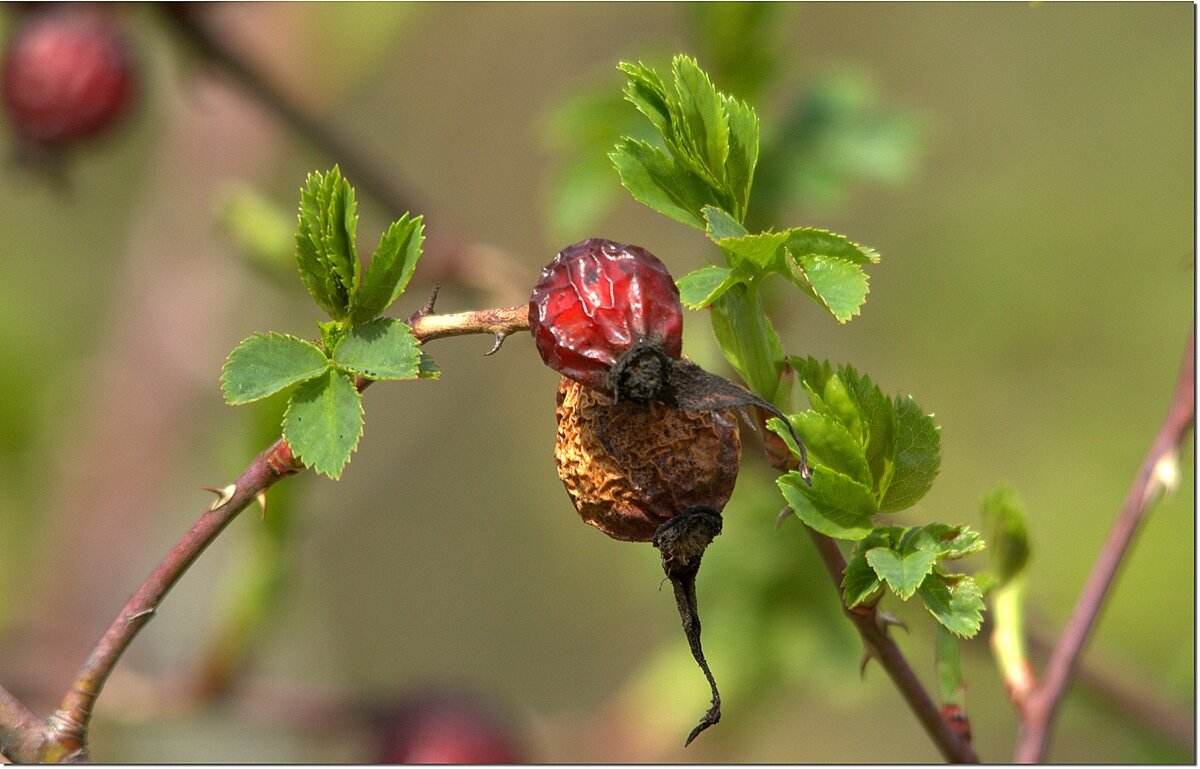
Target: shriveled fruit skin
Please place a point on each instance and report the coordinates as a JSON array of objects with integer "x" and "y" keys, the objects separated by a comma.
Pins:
[{"x": 629, "y": 467}]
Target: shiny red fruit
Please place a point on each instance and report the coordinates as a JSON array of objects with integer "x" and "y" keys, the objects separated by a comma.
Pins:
[
  {"x": 66, "y": 75},
  {"x": 608, "y": 316}
]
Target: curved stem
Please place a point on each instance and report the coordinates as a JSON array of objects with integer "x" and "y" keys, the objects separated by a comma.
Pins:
[
  {"x": 21, "y": 731},
  {"x": 1155, "y": 472},
  {"x": 65, "y": 735},
  {"x": 953, "y": 747}
]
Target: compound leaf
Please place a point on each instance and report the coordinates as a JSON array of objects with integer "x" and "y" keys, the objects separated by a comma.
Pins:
[
  {"x": 834, "y": 505},
  {"x": 656, "y": 180},
  {"x": 955, "y": 601},
  {"x": 903, "y": 573}
]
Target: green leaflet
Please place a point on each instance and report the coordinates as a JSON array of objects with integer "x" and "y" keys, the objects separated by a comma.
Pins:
[
  {"x": 903, "y": 573},
  {"x": 382, "y": 349},
  {"x": 834, "y": 505},
  {"x": 324, "y": 422},
  {"x": 917, "y": 457},
  {"x": 264, "y": 364},
  {"x": 391, "y": 268},
  {"x": 955, "y": 601}
]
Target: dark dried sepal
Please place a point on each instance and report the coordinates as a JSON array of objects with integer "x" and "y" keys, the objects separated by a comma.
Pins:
[
  {"x": 694, "y": 389},
  {"x": 682, "y": 541}
]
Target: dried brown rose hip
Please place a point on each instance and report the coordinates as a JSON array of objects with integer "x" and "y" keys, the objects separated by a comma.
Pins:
[
  {"x": 608, "y": 315},
  {"x": 66, "y": 74},
  {"x": 652, "y": 473}
]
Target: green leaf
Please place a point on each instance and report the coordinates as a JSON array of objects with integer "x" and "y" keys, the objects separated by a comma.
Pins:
[
  {"x": 859, "y": 582},
  {"x": 325, "y": 250},
  {"x": 700, "y": 287},
  {"x": 656, "y": 180},
  {"x": 829, "y": 443},
  {"x": 834, "y": 505},
  {"x": 382, "y": 349},
  {"x": 948, "y": 543},
  {"x": 1004, "y": 520},
  {"x": 903, "y": 573},
  {"x": 917, "y": 456},
  {"x": 877, "y": 425},
  {"x": 955, "y": 601},
  {"x": 324, "y": 422},
  {"x": 743, "y": 151},
  {"x": 947, "y": 660},
  {"x": 390, "y": 270},
  {"x": 428, "y": 368},
  {"x": 645, "y": 90},
  {"x": 810, "y": 241},
  {"x": 264, "y": 364},
  {"x": 837, "y": 285},
  {"x": 703, "y": 115},
  {"x": 719, "y": 225}
]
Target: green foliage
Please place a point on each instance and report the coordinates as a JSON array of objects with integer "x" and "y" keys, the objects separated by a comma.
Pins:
[
  {"x": 324, "y": 421},
  {"x": 264, "y": 364},
  {"x": 324, "y": 418},
  {"x": 1004, "y": 522}
]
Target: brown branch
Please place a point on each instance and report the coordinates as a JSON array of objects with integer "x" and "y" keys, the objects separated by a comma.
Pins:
[
  {"x": 21, "y": 731},
  {"x": 64, "y": 738},
  {"x": 874, "y": 635},
  {"x": 1042, "y": 705}
]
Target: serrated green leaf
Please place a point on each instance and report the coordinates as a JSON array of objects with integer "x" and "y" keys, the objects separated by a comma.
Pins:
[
  {"x": 811, "y": 241},
  {"x": 390, "y": 270},
  {"x": 656, "y": 180},
  {"x": 264, "y": 364},
  {"x": 700, "y": 287},
  {"x": 645, "y": 90},
  {"x": 743, "y": 152},
  {"x": 324, "y": 422},
  {"x": 834, "y": 505},
  {"x": 859, "y": 581},
  {"x": 903, "y": 573},
  {"x": 761, "y": 250},
  {"x": 955, "y": 601},
  {"x": 878, "y": 424},
  {"x": 829, "y": 443},
  {"x": 1004, "y": 520},
  {"x": 325, "y": 241},
  {"x": 704, "y": 115},
  {"x": 917, "y": 456},
  {"x": 383, "y": 349},
  {"x": 719, "y": 224},
  {"x": 948, "y": 543},
  {"x": 428, "y": 367},
  {"x": 947, "y": 660},
  {"x": 837, "y": 285}
]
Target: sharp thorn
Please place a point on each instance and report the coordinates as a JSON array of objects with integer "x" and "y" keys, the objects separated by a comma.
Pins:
[
  {"x": 427, "y": 308},
  {"x": 783, "y": 516},
  {"x": 500, "y": 337},
  {"x": 223, "y": 495},
  {"x": 884, "y": 620},
  {"x": 868, "y": 654},
  {"x": 261, "y": 498}
]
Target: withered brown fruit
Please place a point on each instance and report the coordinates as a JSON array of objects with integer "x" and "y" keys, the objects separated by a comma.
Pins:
[
  {"x": 629, "y": 467},
  {"x": 652, "y": 473}
]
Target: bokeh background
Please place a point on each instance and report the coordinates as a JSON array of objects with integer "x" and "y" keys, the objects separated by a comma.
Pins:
[{"x": 1026, "y": 172}]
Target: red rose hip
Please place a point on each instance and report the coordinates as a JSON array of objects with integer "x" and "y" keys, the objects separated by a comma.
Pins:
[
  {"x": 608, "y": 316},
  {"x": 66, "y": 75}
]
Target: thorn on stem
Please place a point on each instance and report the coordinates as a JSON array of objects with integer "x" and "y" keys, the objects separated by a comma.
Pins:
[
  {"x": 261, "y": 498},
  {"x": 500, "y": 337},
  {"x": 427, "y": 308},
  {"x": 869, "y": 653},
  {"x": 223, "y": 495},
  {"x": 883, "y": 620},
  {"x": 784, "y": 515}
]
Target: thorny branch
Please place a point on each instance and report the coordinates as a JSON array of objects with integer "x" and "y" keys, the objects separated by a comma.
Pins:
[
  {"x": 63, "y": 736},
  {"x": 1157, "y": 472}
]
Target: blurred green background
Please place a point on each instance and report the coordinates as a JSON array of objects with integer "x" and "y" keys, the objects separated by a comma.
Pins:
[{"x": 1025, "y": 171}]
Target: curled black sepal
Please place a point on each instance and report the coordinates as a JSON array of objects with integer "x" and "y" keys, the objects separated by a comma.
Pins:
[
  {"x": 694, "y": 389},
  {"x": 682, "y": 541}
]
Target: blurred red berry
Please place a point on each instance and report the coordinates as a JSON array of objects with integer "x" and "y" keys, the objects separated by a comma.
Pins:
[
  {"x": 608, "y": 316},
  {"x": 440, "y": 728},
  {"x": 66, "y": 75}
]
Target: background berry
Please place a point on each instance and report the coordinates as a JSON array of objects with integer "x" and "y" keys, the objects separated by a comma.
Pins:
[
  {"x": 67, "y": 74},
  {"x": 598, "y": 299}
]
